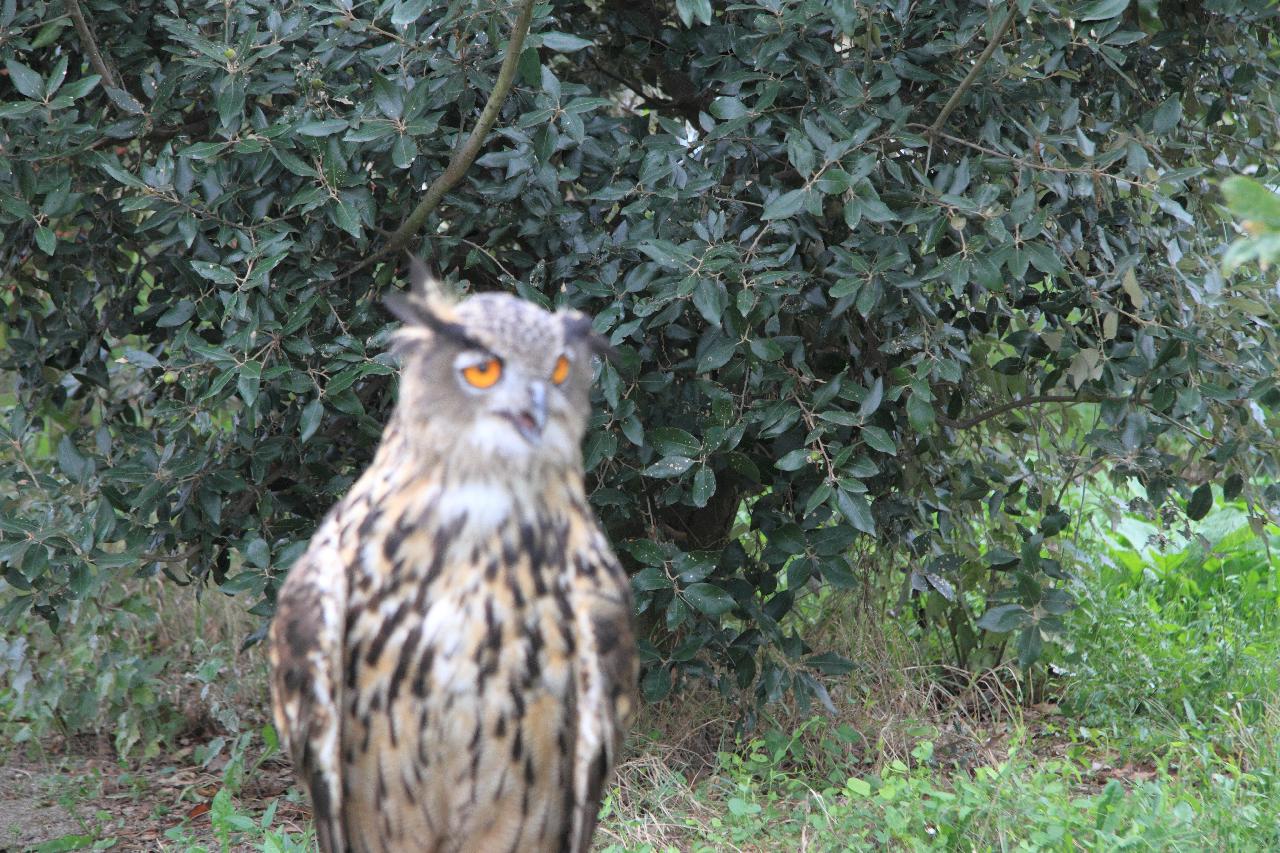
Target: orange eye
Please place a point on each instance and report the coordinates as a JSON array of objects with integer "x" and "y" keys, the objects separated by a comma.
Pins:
[
  {"x": 484, "y": 374},
  {"x": 561, "y": 373}
]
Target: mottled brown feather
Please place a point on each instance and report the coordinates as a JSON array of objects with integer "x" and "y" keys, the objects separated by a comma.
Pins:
[{"x": 453, "y": 664}]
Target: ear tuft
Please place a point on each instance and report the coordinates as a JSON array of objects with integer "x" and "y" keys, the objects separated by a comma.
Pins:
[
  {"x": 578, "y": 329},
  {"x": 426, "y": 311}
]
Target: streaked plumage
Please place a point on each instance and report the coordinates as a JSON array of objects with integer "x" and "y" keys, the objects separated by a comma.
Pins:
[{"x": 453, "y": 659}]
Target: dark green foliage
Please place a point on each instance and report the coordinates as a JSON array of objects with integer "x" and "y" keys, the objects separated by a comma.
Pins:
[{"x": 847, "y": 342}]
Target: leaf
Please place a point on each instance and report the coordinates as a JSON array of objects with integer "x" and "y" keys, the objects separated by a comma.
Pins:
[
  {"x": 704, "y": 486},
  {"x": 878, "y": 439},
  {"x": 673, "y": 441},
  {"x": 920, "y": 413},
  {"x": 1167, "y": 115},
  {"x": 126, "y": 102},
  {"x": 1030, "y": 646},
  {"x": 871, "y": 402},
  {"x": 214, "y": 272},
  {"x": 70, "y": 460},
  {"x": 1250, "y": 200},
  {"x": 325, "y": 127},
  {"x": 309, "y": 421},
  {"x": 671, "y": 466},
  {"x": 1200, "y": 503},
  {"x": 203, "y": 150},
  {"x": 690, "y": 9},
  {"x": 177, "y": 315},
  {"x": 726, "y": 108},
  {"x": 1005, "y": 617},
  {"x": 564, "y": 42},
  {"x": 248, "y": 380},
  {"x": 408, "y": 11},
  {"x": 708, "y": 598},
  {"x": 141, "y": 358},
  {"x": 25, "y": 80},
  {"x": 793, "y": 460},
  {"x": 786, "y": 205},
  {"x": 1102, "y": 10},
  {"x": 46, "y": 240},
  {"x": 857, "y": 510}
]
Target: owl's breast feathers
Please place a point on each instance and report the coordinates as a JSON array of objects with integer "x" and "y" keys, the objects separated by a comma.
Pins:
[{"x": 454, "y": 665}]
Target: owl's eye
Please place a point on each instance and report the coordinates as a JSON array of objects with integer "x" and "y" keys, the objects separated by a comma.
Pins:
[
  {"x": 561, "y": 372},
  {"x": 484, "y": 374}
]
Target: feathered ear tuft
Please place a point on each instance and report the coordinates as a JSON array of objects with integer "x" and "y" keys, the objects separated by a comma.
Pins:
[
  {"x": 578, "y": 329},
  {"x": 426, "y": 310}
]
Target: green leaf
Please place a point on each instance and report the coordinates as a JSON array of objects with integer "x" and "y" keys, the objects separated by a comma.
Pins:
[
  {"x": 70, "y": 460},
  {"x": 563, "y": 42},
  {"x": 708, "y": 598},
  {"x": 323, "y": 127},
  {"x": 920, "y": 413},
  {"x": 690, "y": 9},
  {"x": 214, "y": 272},
  {"x": 878, "y": 439},
  {"x": 248, "y": 380},
  {"x": 309, "y": 421},
  {"x": 704, "y": 486},
  {"x": 203, "y": 150},
  {"x": 25, "y": 80},
  {"x": 673, "y": 441},
  {"x": 856, "y": 509},
  {"x": 46, "y": 240},
  {"x": 177, "y": 315},
  {"x": 1248, "y": 199},
  {"x": 1005, "y": 617},
  {"x": 1167, "y": 115},
  {"x": 786, "y": 205},
  {"x": 127, "y": 103},
  {"x": 1102, "y": 10},
  {"x": 726, "y": 108},
  {"x": 408, "y": 11},
  {"x": 650, "y": 579},
  {"x": 1200, "y": 503},
  {"x": 671, "y": 466},
  {"x": 793, "y": 460}
]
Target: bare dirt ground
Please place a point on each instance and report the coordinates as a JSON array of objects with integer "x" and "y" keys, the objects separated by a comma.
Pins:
[{"x": 80, "y": 802}]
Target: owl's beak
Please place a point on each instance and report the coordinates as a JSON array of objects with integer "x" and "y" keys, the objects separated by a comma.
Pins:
[{"x": 531, "y": 418}]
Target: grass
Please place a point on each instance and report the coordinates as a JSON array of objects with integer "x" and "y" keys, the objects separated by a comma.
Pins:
[{"x": 1159, "y": 729}]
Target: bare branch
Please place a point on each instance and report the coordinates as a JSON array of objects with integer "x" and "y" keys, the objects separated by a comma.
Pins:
[
  {"x": 969, "y": 78},
  {"x": 90, "y": 45},
  {"x": 466, "y": 155},
  {"x": 1036, "y": 400}
]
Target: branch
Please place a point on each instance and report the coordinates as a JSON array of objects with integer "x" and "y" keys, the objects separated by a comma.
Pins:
[
  {"x": 969, "y": 78},
  {"x": 466, "y": 155},
  {"x": 90, "y": 45},
  {"x": 1023, "y": 403}
]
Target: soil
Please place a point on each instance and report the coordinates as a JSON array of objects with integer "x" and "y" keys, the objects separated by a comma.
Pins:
[{"x": 78, "y": 801}]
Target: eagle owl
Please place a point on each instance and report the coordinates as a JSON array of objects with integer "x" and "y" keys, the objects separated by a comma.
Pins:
[{"x": 453, "y": 663}]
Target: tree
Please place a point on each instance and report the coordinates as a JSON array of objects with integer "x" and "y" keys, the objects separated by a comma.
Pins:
[{"x": 885, "y": 281}]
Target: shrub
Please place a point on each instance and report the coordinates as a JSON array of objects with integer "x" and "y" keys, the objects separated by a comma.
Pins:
[{"x": 885, "y": 280}]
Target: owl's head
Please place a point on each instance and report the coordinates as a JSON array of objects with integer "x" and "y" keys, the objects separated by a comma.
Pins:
[{"x": 492, "y": 375}]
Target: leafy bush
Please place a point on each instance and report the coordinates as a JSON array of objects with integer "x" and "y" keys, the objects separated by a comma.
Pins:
[{"x": 885, "y": 280}]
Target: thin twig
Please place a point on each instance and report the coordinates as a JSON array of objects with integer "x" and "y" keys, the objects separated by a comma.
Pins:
[
  {"x": 464, "y": 156},
  {"x": 90, "y": 45},
  {"x": 1023, "y": 403},
  {"x": 969, "y": 78}
]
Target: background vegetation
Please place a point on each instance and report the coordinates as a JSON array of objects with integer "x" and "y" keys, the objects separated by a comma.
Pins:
[{"x": 915, "y": 305}]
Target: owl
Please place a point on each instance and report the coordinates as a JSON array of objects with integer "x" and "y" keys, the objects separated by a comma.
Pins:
[{"x": 453, "y": 659}]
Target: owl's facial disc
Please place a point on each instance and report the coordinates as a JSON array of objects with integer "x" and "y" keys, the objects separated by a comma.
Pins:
[
  {"x": 530, "y": 418},
  {"x": 507, "y": 394}
]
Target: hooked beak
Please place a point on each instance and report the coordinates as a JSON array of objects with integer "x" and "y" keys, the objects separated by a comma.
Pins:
[{"x": 530, "y": 419}]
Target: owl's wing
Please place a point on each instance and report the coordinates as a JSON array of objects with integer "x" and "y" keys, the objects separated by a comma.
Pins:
[
  {"x": 306, "y": 667},
  {"x": 608, "y": 671}
]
